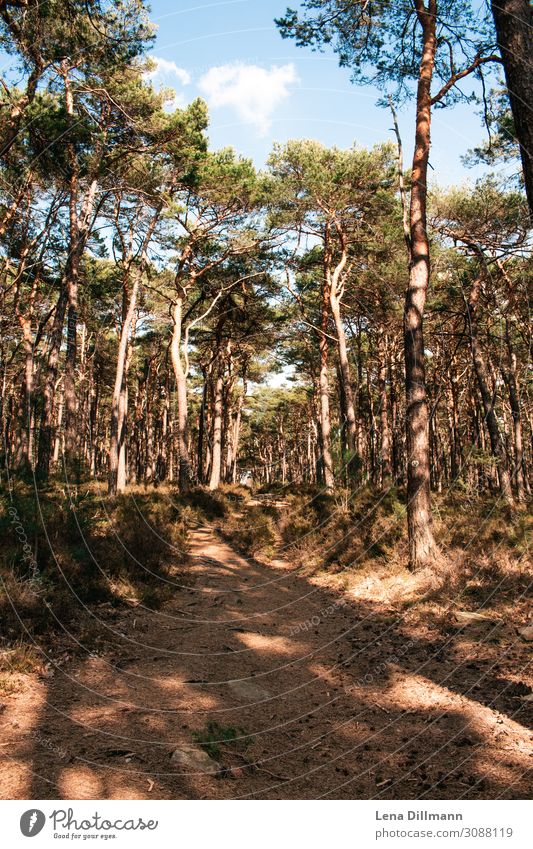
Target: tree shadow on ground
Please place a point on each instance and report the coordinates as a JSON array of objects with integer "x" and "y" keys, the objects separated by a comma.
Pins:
[{"x": 326, "y": 697}]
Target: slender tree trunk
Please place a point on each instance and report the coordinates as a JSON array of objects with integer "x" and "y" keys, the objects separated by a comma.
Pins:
[
  {"x": 335, "y": 284},
  {"x": 166, "y": 448},
  {"x": 386, "y": 463},
  {"x": 24, "y": 459},
  {"x": 79, "y": 229},
  {"x": 216, "y": 462},
  {"x": 237, "y": 429},
  {"x": 47, "y": 415},
  {"x": 397, "y": 465},
  {"x": 122, "y": 473},
  {"x": 201, "y": 427},
  {"x": 360, "y": 437},
  {"x": 208, "y": 423},
  {"x": 228, "y": 423},
  {"x": 58, "y": 438},
  {"x": 514, "y": 28},
  {"x": 118, "y": 402},
  {"x": 345, "y": 370},
  {"x": 520, "y": 475},
  {"x": 93, "y": 423},
  {"x": 372, "y": 430},
  {"x": 343, "y": 436},
  {"x": 514, "y": 401},
  {"x": 422, "y": 546},
  {"x": 453, "y": 415},
  {"x": 149, "y": 457},
  {"x": 487, "y": 396},
  {"x": 325, "y": 421},
  {"x": 282, "y": 451},
  {"x": 181, "y": 388},
  {"x": 71, "y": 280}
]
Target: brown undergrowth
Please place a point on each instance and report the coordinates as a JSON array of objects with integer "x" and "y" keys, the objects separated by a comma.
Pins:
[
  {"x": 65, "y": 552},
  {"x": 358, "y": 542}
]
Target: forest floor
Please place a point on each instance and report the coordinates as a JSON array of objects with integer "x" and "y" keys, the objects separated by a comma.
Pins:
[{"x": 257, "y": 681}]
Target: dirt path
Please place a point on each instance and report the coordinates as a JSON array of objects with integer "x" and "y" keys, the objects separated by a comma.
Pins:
[{"x": 336, "y": 699}]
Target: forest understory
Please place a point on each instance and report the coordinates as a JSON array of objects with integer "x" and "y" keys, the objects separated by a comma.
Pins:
[{"x": 275, "y": 646}]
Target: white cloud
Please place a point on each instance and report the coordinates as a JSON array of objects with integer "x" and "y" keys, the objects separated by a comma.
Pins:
[
  {"x": 166, "y": 69},
  {"x": 252, "y": 91}
]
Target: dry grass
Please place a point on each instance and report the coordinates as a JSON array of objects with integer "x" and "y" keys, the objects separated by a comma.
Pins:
[
  {"x": 252, "y": 532},
  {"x": 359, "y": 544},
  {"x": 89, "y": 550},
  {"x": 64, "y": 552},
  {"x": 20, "y": 658},
  {"x": 15, "y": 663}
]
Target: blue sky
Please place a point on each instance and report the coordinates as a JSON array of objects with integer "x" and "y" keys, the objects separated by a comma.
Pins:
[{"x": 262, "y": 89}]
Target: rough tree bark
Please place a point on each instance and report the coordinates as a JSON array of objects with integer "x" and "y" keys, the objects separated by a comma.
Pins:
[
  {"x": 47, "y": 415},
  {"x": 336, "y": 291},
  {"x": 509, "y": 376},
  {"x": 216, "y": 461},
  {"x": 514, "y": 28},
  {"x": 181, "y": 386},
  {"x": 237, "y": 427},
  {"x": 201, "y": 423},
  {"x": 119, "y": 403},
  {"x": 386, "y": 458},
  {"x": 487, "y": 396},
  {"x": 422, "y": 546},
  {"x": 117, "y": 482},
  {"x": 325, "y": 420}
]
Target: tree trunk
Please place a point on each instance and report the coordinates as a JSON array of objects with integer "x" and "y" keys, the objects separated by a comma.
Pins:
[
  {"x": 514, "y": 28},
  {"x": 397, "y": 464},
  {"x": 227, "y": 422},
  {"x": 79, "y": 229},
  {"x": 453, "y": 418},
  {"x": 514, "y": 401},
  {"x": 360, "y": 436},
  {"x": 58, "y": 438},
  {"x": 345, "y": 374},
  {"x": 24, "y": 458},
  {"x": 201, "y": 427},
  {"x": 487, "y": 396},
  {"x": 386, "y": 462},
  {"x": 343, "y": 434},
  {"x": 119, "y": 399},
  {"x": 216, "y": 462},
  {"x": 181, "y": 387},
  {"x": 93, "y": 423},
  {"x": 71, "y": 280},
  {"x": 122, "y": 473},
  {"x": 237, "y": 429},
  {"x": 335, "y": 283},
  {"x": 47, "y": 415},
  {"x": 325, "y": 422},
  {"x": 374, "y": 472},
  {"x": 422, "y": 546}
]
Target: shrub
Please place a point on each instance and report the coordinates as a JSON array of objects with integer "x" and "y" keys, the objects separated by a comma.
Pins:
[
  {"x": 254, "y": 533},
  {"x": 61, "y": 553}
]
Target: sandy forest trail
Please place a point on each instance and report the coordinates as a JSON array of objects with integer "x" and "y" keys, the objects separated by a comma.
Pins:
[{"x": 336, "y": 699}]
